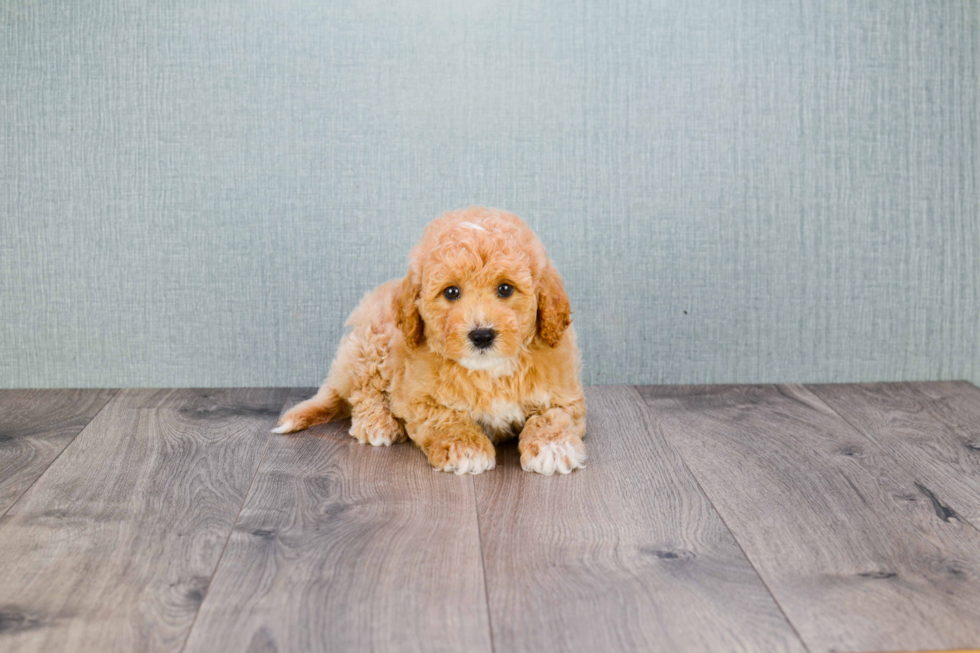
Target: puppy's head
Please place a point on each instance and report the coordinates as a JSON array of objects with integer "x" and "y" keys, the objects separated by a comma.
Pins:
[{"x": 480, "y": 289}]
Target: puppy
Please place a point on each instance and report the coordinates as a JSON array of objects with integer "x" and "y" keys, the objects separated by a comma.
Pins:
[{"x": 473, "y": 346}]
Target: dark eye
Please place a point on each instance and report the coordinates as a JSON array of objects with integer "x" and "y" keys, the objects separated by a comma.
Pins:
[
  {"x": 451, "y": 293},
  {"x": 505, "y": 290}
]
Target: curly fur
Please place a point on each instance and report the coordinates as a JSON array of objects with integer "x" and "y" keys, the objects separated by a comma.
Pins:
[{"x": 408, "y": 369}]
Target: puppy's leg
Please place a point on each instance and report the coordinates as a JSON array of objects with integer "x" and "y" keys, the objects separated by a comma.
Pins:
[
  {"x": 330, "y": 402},
  {"x": 325, "y": 406},
  {"x": 371, "y": 419},
  {"x": 552, "y": 441},
  {"x": 454, "y": 443}
]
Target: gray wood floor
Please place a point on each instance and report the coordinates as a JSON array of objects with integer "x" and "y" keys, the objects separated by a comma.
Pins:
[{"x": 715, "y": 518}]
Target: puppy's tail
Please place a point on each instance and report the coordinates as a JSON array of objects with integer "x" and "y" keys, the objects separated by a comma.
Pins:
[{"x": 325, "y": 406}]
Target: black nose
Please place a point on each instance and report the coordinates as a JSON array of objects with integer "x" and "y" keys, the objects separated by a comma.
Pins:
[{"x": 482, "y": 338}]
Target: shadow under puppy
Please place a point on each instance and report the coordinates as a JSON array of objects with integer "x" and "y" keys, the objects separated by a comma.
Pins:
[{"x": 473, "y": 346}]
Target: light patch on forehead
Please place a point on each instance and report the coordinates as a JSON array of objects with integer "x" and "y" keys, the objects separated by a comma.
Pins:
[{"x": 472, "y": 225}]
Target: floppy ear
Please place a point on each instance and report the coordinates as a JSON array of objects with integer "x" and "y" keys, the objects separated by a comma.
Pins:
[
  {"x": 554, "y": 311},
  {"x": 407, "y": 314}
]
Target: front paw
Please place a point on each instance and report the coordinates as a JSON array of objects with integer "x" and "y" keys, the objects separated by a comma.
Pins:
[
  {"x": 462, "y": 456},
  {"x": 377, "y": 429},
  {"x": 550, "y": 456}
]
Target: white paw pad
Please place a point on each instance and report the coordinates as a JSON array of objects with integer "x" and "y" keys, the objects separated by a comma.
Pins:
[
  {"x": 471, "y": 462},
  {"x": 285, "y": 427},
  {"x": 380, "y": 439},
  {"x": 376, "y": 436},
  {"x": 561, "y": 457}
]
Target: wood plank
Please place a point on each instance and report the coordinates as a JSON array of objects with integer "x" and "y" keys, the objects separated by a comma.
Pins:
[
  {"x": 624, "y": 555},
  {"x": 112, "y": 549},
  {"x": 35, "y": 427},
  {"x": 932, "y": 429},
  {"x": 347, "y": 547},
  {"x": 847, "y": 540}
]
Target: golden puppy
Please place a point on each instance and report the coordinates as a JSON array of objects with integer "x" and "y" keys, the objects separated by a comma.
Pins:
[{"x": 473, "y": 346}]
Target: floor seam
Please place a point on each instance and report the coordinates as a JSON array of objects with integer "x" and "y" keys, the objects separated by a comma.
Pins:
[
  {"x": 483, "y": 563},
  {"x": 55, "y": 459},
  {"x": 650, "y": 413},
  {"x": 231, "y": 531}
]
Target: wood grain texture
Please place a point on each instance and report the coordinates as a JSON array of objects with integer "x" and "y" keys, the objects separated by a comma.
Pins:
[
  {"x": 113, "y": 548},
  {"x": 932, "y": 429},
  {"x": 625, "y": 555},
  {"x": 347, "y": 547},
  {"x": 856, "y": 550},
  {"x": 36, "y": 426}
]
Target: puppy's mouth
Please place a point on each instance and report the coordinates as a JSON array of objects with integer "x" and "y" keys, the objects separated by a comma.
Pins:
[{"x": 486, "y": 360}]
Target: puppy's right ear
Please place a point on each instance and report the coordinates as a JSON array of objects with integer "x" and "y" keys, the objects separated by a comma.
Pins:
[
  {"x": 407, "y": 314},
  {"x": 554, "y": 311}
]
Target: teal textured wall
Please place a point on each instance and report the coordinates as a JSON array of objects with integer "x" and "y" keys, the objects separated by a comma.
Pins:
[{"x": 197, "y": 193}]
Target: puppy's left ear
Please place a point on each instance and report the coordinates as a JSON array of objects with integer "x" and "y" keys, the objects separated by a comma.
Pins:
[
  {"x": 407, "y": 314},
  {"x": 554, "y": 311}
]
